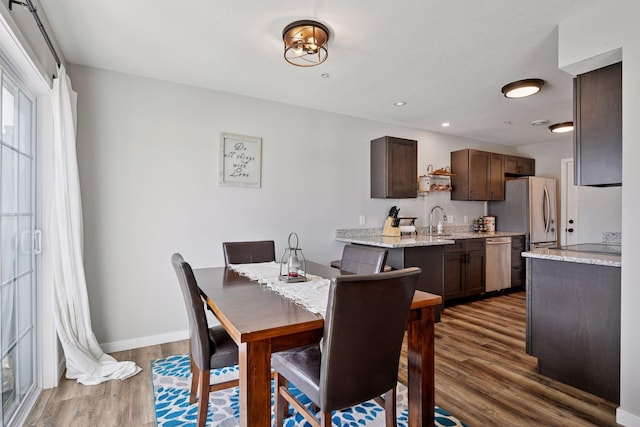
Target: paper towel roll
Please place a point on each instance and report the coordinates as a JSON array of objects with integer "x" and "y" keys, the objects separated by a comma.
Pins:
[{"x": 407, "y": 228}]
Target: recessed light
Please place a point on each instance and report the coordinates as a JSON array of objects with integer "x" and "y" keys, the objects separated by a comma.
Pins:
[
  {"x": 446, "y": 124},
  {"x": 561, "y": 127},
  {"x": 400, "y": 104},
  {"x": 539, "y": 122},
  {"x": 522, "y": 88}
]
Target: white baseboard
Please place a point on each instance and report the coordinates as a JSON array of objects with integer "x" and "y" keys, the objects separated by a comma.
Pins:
[
  {"x": 110, "y": 347},
  {"x": 627, "y": 419}
]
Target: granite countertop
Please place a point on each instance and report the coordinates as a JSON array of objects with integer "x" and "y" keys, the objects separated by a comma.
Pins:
[
  {"x": 352, "y": 236},
  {"x": 574, "y": 256}
]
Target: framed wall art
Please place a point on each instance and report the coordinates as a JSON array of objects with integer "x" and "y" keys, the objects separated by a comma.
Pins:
[{"x": 240, "y": 160}]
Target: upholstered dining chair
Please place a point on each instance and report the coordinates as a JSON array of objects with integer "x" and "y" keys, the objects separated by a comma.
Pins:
[
  {"x": 249, "y": 252},
  {"x": 210, "y": 347},
  {"x": 360, "y": 259},
  {"x": 363, "y": 332}
]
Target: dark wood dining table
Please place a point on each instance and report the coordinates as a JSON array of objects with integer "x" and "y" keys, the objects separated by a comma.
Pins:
[{"x": 262, "y": 322}]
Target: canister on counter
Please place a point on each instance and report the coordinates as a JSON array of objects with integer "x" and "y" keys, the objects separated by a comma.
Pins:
[{"x": 489, "y": 223}]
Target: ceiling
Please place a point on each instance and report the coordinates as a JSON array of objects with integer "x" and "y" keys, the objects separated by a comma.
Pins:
[{"x": 447, "y": 59}]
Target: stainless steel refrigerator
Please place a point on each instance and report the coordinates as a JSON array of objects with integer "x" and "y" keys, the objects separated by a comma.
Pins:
[{"x": 529, "y": 207}]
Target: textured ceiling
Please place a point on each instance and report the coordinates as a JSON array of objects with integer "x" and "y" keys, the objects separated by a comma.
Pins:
[{"x": 448, "y": 59}]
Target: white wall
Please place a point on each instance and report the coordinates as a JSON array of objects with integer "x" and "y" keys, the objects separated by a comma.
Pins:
[
  {"x": 148, "y": 158},
  {"x": 594, "y": 34}
]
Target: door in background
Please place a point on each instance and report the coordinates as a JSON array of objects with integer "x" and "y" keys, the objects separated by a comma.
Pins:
[{"x": 568, "y": 206}]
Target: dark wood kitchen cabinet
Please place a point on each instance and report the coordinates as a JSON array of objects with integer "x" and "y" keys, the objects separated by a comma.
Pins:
[
  {"x": 394, "y": 168},
  {"x": 597, "y": 135},
  {"x": 517, "y": 262},
  {"x": 573, "y": 324},
  {"x": 519, "y": 166},
  {"x": 479, "y": 175},
  {"x": 464, "y": 269},
  {"x": 430, "y": 260}
]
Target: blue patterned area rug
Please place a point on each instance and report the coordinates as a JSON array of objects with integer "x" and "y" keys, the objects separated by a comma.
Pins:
[{"x": 171, "y": 380}]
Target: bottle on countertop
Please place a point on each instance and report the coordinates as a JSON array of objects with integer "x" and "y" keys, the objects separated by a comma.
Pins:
[{"x": 439, "y": 228}]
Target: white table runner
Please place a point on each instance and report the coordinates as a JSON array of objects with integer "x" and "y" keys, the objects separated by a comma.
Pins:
[{"x": 312, "y": 294}]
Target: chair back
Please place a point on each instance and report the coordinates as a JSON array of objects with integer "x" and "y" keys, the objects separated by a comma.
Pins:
[
  {"x": 364, "y": 328},
  {"x": 198, "y": 327},
  {"x": 360, "y": 259},
  {"x": 249, "y": 252}
]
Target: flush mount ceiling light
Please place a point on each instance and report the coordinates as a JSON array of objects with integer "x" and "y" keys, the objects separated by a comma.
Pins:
[
  {"x": 305, "y": 43},
  {"x": 522, "y": 88},
  {"x": 400, "y": 103},
  {"x": 542, "y": 122},
  {"x": 561, "y": 127}
]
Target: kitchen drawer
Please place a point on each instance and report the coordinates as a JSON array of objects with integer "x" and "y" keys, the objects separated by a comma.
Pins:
[
  {"x": 458, "y": 246},
  {"x": 475, "y": 244}
]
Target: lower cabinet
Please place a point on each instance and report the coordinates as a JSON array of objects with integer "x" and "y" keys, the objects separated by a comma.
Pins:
[
  {"x": 573, "y": 324},
  {"x": 464, "y": 268},
  {"x": 429, "y": 259},
  {"x": 517, "y": 262}
]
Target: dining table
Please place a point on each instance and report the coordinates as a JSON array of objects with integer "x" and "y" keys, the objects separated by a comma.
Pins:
[{"x": 261, "y": 322}]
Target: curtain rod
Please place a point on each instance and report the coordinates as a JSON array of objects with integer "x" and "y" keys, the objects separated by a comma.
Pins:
[{"x": 34, "y": 12}]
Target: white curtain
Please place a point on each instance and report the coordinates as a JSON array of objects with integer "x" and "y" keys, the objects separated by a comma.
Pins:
[{"x": 85, "y": 360}]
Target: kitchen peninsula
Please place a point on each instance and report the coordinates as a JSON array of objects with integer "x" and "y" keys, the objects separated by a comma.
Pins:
[
  {"x": 463, "y": 275},
  {"x": 573, "y": 317}
]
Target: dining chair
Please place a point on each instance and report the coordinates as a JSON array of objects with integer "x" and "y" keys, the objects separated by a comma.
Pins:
[
  {"x": 249, "y": 252},
  {"x": 358, "y": 361},
  {"x": 211, "y": 348},
  {"x": 360, "y": 259}
]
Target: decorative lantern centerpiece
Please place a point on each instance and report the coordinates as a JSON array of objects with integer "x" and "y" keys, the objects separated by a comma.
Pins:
[{"x": 293, "y": 266}]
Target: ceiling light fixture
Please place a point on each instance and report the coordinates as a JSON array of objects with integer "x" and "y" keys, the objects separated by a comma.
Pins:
[
  {"x": 446, "y": 124},
  {"x": 305, "y": 43},
  {"x": 541, "y": 122},
  {"x": 522, "y": 88},
  {"x": 561, "y": 127},
  {"x": 400, "y": 103}
]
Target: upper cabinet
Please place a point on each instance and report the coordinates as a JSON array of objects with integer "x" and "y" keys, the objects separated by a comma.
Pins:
[
  {"x": 598, "y": 127},
  {"x": 479, "y": 175},
  {"x": 519, "y": 166},
  {"x": 394, "y": 168}
]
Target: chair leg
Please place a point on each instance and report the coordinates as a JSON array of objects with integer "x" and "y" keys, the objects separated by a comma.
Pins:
[
  {"x": 194, "y": 381},
  {"x": 391, "y": 419},
  {"x": 281, "y": 406},
  {"x": 325, "y": 419},
  {"x": 203, "y": 403}
]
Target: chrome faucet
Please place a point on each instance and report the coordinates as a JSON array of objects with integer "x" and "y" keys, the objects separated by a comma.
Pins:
[{"x": 444, "y": 217}]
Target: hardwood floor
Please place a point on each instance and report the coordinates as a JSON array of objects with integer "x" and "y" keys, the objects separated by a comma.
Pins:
[
  {"x": 127, "y": 403},
  {"x": 483, "y": 377}
]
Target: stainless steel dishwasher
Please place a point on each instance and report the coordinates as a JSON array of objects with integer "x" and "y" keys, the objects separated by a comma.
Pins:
[{"x": 498, "y": 263}]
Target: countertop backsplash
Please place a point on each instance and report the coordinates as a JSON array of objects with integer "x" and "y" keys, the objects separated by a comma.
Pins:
[{"x": 612, "y": 237}]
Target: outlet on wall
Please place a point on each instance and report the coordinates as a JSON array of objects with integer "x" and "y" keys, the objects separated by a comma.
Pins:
[
  {"x": 363, "y": 220},
  {"x": 450, "y": 219},
  {"x": 466, "y": 219}
]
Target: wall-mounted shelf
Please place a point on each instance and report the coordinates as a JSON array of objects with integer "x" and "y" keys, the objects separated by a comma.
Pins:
[{"x": 438, "y": 181}]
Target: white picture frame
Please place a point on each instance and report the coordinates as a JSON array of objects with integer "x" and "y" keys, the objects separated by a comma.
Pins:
[{"x": 240, "y": 161}]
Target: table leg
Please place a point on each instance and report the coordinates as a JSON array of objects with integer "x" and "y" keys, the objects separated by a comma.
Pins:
[
  {"x": 421, "y": 367},
  {"x": 255, "y": 383}
]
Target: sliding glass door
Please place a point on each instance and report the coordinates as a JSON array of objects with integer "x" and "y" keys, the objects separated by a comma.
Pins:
[{"x": 17, "y": 228}]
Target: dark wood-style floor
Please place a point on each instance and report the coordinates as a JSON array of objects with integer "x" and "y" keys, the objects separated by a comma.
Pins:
[{"x": 483, "y": 377}]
